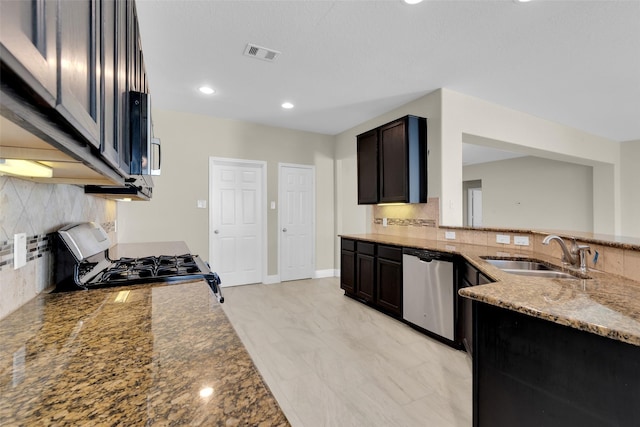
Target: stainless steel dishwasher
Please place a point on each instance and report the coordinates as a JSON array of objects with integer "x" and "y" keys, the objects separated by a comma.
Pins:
[{"x": 428, "y": 291}]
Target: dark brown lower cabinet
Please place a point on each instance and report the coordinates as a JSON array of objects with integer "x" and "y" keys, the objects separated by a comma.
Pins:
[
  {"x": 348, "y": 266},
  {"x": 365, "y": 271},
  {"x": 534, "y": 372},
  {"x": 468, "y": 276},
  {"x": 372, "y": 273},
  {"x": 389, "y": 279}
]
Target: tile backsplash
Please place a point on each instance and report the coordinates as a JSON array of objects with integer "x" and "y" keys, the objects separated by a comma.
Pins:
[{"x": 38, "y": 210}]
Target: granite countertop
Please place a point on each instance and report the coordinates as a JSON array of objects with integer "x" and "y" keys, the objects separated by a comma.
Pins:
[
  {"x": 604, "y": 304},
  {"x": 154, "y": 354}
]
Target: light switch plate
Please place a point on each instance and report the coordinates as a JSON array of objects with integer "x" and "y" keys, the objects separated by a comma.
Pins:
[
  {"x": 384, "y": 222},
  {"x": 450, "y": 235},
  {"x": 202, "y": 204},
  {"x": 503, "y": 238},
  {"x": 19, "y": 250},
  {"x": 521, "y": 240}
]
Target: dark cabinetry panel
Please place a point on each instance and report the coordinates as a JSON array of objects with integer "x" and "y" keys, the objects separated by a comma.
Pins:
[
  {"x": 399, "y": 172},
  {"x": 348, "y": 266},
  {"x": 71, "y": 64},
  {"x": 372, "y": 273},
  {"x": 389, "y": 279},
  {"x": 365, "y": 270},
  {"x": 368, "y": 167},
  {"x": 78, "y": 94},
  {"x": 469, "y": 276},
  {"x": 28, "y": 44},
  {"x": 393, "y": 163},
  {"x": 533, "y": 372}
]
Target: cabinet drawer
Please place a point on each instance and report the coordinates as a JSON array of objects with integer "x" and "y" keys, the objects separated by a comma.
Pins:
[
  {"x": 366, "y": 248},
  {"x": 348, "y": 245},
  {"x": 392, "y": 253}
]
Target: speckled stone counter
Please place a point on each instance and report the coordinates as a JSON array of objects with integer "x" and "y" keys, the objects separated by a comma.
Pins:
[
  {"x": 604, "y": 304},
  {"x": 132, "y": 356}
]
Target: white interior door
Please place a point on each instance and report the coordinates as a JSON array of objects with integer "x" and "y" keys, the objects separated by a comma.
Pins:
[
  {"x": 236, "y": 221},
  {"x": 474, "y": 204},
  {"x": 296, "y": 221}
]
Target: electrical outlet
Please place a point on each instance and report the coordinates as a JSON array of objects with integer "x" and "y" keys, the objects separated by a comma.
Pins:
[
  {"x": 503, "y": 238},
  {"x": 19, "y": 250},
  {"x": 450, "y": 235},
  {"x": 521, "y": 240},
  {"x": 384, "y": 222},
  {"x": 202, "y": 204}
]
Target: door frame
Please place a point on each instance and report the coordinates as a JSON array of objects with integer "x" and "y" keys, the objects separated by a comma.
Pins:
[
  {"x": 262, "y": 169},
  {"x": 471, "y": 207},
  {"x": 312, "y": 168}
]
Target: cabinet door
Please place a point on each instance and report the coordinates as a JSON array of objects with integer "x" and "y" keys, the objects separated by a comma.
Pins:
[
  {"x": 389, "y": 286},
  {"x": 393, "y": 162},
  {"x": 28, "y": 43},
  {"x": 348, "y": 271},
  {"x": 367, "y": 153},
  {"x": 365, "y": 277},
  {"x": 110, "y": 83},
  {"x": 137, "y": 72},
  {"x": 79, "y": 102},
  {"x": 465, "y": 319}
]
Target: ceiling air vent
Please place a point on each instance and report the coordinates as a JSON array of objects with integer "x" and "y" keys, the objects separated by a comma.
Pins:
[{"x": 260, "y": 52}]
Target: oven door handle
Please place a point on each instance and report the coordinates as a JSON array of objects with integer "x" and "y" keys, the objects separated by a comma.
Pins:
[{"x": 214, "y": 283}]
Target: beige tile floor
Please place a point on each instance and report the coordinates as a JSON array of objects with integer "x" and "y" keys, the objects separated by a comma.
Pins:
[{"x": 331, "y": 361}]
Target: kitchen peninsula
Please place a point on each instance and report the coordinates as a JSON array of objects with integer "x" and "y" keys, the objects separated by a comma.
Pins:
[
  {"x": 152, "y": 354},
  {"x": 546, "y": 351}
]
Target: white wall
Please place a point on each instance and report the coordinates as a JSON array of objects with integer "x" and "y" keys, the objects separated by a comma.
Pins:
[
  {"x": 630, "y": 188},
  {"x": 516, "y": 192},
  {"x": 464, "y": 116},
  {"x": 188, "y": 140}
]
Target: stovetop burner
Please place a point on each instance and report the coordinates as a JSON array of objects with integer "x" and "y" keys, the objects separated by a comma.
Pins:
[
  {"x": 82, "y": 262},
  {"x": 127, "y": 269}
]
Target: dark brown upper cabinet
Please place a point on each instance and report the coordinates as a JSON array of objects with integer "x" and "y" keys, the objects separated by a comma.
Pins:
[
  {"x": 66, "y": 69},
  {"x": 368, "y": 167},
  {"x": 392, "y": 162},
  {"x": 79, "y": 97},
  {"x": 28, "y": 44}
]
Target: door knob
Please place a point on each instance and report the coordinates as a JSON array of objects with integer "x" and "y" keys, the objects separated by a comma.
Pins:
[
  {"x": 284, "y": 230},
  {"x": 216, "y": 231}
]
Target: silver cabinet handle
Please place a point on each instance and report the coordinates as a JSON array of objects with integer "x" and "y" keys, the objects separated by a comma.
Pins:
[
  {"x": 216, "y": 231},
  {"x": 284, "y": 230}
]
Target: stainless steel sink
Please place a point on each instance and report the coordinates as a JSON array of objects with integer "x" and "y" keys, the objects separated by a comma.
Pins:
[
  {"x": 529, "y": 267},
  {"x": 550, "y": 274},
  {"x": 513, "y": 264}
]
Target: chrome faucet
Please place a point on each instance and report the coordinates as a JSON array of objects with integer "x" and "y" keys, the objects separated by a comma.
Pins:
[{"x": 576, "y": 256}]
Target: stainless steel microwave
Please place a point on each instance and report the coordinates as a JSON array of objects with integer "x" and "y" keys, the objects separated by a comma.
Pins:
[{"x": 144, "y": 149}]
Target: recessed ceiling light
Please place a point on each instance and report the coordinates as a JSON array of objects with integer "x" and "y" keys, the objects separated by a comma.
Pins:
[
  {"x": 412, "y": 1},
  {"x": 287, "y": 105},
  {"x": 207, "y": 90}
]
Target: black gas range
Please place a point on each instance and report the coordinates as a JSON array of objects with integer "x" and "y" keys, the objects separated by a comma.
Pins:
[{"x": 81, "y": 253}]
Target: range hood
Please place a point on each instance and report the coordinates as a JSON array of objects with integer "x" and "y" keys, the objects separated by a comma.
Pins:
[{"x": 139, "y": 188}]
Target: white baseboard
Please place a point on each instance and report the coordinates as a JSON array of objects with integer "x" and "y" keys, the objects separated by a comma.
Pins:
[
  {"x": 319, "y": 274},
  {"x": 272, "y": 279}
]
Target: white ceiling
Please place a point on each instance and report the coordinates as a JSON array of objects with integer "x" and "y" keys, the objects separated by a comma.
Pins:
[{"x": 344, "y": 62}]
